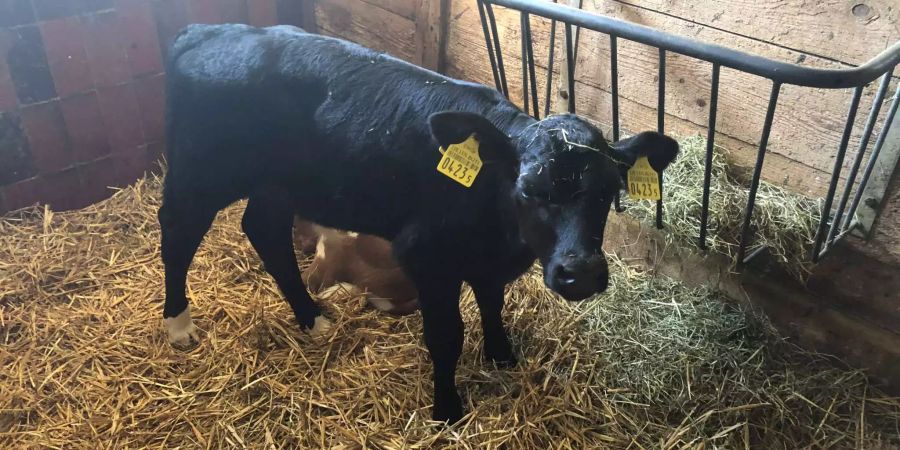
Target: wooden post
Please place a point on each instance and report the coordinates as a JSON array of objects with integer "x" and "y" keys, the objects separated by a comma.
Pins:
[
  {"x": 561, "y": 99},
  {"x": 431, "y": 33},
  {"x": 308, "y": 16},
  {"x": 300, "y": 13}
]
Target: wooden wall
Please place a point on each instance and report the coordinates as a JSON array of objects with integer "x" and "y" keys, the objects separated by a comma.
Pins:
[{"x": 407, "y": 29}]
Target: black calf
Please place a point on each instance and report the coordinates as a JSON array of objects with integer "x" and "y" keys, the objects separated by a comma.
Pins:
[{"x": 350, "y": 138}]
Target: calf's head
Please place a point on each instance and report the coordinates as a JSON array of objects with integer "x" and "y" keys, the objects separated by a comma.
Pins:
[{"x": 567, "y": 177}]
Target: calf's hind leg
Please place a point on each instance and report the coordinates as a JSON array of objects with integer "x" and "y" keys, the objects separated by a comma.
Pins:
[
  {"x": 268, "y": 222},
  {"x": 183, "y": 227}
]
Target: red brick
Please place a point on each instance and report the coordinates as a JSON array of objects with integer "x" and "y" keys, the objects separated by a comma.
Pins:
[
  {"x": 15, "y": 12},
  {"x": 96, "y": 178},
  {"x": 262, "y": 13},
  {"x": 151, "y": 98},
  {"x": 46, "y": 131},
  {"x": 137, "y": 30},
  {"x": 105, "y": 52},
  {"x": 88, "y": 6},
  {"x": 7, "y": 93},
  {"x": 22, "y": 194},
  {"x": 205, "y": 11},
  {"x": 122, "y": 116},
  {"x": 7, "y": 88},
  {"x": 54, "y": 9},
  {"x": 87, "y": 130},
  {"x": 15, "y": 156},
  {"x": 64, "y": 44},
  {"x": 130, "y": 165},
  {"x": 171, "y": 16},
  {"x": 63, "y": 191}
]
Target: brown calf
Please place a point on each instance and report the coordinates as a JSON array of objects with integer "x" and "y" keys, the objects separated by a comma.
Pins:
[{"x": 363, "y": 261}]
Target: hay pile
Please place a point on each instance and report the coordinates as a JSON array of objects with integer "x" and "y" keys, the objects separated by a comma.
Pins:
[
  {"x": 783, "y": 221},
  {"x": 84, "y": 362}
]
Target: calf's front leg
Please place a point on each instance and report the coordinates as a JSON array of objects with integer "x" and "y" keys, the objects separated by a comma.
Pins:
[
  {"x": 443, "y": 327},
  {"x": 489, "y": 296}
]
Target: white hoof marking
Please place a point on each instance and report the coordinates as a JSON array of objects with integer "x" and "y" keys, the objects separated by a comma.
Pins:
[
  {"x": 181, "y": 328},
  {"x": 321, "y": 326},
  {"x": 340, "y": 289},
  {"x": 382, "y": 304}
]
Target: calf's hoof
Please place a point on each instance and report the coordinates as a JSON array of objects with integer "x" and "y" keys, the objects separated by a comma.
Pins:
[
  {"x": 181, "y": 329},
  {"x": 500, "y": 353},
  {"x": 449, "y": 410},
  {"x": 321, "y": 326}
]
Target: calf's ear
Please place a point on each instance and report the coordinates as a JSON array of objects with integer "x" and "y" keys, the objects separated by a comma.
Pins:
[
  {"x": 453, "y": 127},
  {"x": 659, "y": 149}
]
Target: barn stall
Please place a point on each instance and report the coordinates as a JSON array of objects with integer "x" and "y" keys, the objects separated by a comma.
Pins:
[{"x": 689, "y": 347}]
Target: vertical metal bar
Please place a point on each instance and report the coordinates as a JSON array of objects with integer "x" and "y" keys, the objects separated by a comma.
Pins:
[
  {"x": 614, "y": 92},
  {"x": 836, "y": 173},
  {"x": 873, "y": 158},
  {"x": 661, "y": 127},
  {"x": 661, "y": 97},
  {"x": 757, "y": 170},
  {"x": 489, "y": 45},
  {"x": 550, "y": 67},
  {"x": 500, "y": 66},
  {"x": 570, "y": 63},
  {"x": 614, "y": 84},
  {"x": 710, "y": 144},
  {"x": 523, "y": 34},
  {"x": 531, "y": 72},
  {"x": 860, "y": 153}
]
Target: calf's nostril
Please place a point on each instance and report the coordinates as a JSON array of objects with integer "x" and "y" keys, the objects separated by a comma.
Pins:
[{"x": 565, "y": 277}]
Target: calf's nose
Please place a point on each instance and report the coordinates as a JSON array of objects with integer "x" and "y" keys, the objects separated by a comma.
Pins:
[{"x": 574, "y": 269}]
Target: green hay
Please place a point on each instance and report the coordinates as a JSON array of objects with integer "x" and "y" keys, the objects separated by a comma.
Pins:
[{"x": 783, "y": 221}]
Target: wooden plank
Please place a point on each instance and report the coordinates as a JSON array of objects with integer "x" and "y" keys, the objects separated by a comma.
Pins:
[
  {"x": 405, "y": 8},
  {"x": 808, "y": 121},
  {"x": 848, "y": 31},
  {"x": 885, "y": 242},
  {"x": 431, "y": 30},
  {"x": 369, "y": 26}
]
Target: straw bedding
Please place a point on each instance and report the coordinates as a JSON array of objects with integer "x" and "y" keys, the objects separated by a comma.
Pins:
[{"x": 84, "y": 362}]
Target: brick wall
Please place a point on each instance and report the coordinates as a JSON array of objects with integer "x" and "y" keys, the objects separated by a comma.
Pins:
[{"x": 82, "y": 90}]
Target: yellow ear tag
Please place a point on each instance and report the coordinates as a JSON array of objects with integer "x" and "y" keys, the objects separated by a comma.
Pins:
[
  {"x": 643, "y": 181},
  {"x": 461, "y": 162}
]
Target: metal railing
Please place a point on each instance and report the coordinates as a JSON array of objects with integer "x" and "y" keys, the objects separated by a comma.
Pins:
[{"x": 832, "y": 227}]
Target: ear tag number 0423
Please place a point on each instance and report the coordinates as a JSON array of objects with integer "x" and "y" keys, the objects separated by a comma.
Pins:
[
  {"x": 461, "y": 162},
  {"x": 643, "y": 181}
]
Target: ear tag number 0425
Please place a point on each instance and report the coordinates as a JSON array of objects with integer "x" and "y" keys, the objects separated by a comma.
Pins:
[
  {"x": 461, "y": 162},
  {"x": 643, "y": 181}
]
